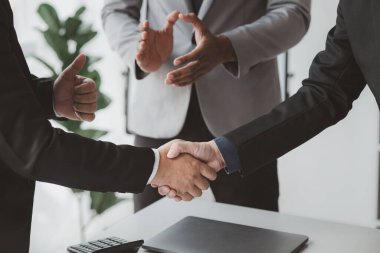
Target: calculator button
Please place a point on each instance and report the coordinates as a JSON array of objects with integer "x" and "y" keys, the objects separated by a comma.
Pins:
[
  {"x": 81, "y": 249},
  {"x": 99, "y": 244},
  {"x": 118, "y": 240},
  {"x": 91, "y": 247},
  {"x": 109, "y": 242},
  {"x": 75, "y": 250}
]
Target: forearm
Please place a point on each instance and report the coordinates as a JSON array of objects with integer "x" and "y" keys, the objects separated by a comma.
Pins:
[
  {"x": 326, "y": 97},
  {"x": 227, "y": 50},
  {"x": 281, "y": 28},
  {"x": 121, "y": 25},
  {"x": 31, "y": 147},
  {"x": 43, "y": 89}
]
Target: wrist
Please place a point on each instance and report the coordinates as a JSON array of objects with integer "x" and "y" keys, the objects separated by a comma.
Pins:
[
  {"x": 218, "y": 156},
  {"x": 227, "y": 50}
]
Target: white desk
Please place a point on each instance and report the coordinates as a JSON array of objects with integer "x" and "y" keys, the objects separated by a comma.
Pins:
[{"x": 325, "y": 237}]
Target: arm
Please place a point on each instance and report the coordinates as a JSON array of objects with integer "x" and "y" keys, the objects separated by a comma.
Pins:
[
  {"x": 43, "y": 89},
  {"x": 325, "y": 98},
  {"x": 240, "y": 49},
  {"x": 146, "y": 52},
  {"x": 282, "y": 27},
  {"x": 121, "y": 24},
  {"x": 31, "y": 147}
]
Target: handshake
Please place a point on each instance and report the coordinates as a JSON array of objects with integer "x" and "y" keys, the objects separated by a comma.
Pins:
[{"x": 186, "y": 168}]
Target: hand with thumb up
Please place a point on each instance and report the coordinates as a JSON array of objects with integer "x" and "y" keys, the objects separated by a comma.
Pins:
[{"x": 75, "y": 96}]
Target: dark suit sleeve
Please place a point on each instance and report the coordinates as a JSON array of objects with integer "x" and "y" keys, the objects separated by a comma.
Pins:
[
  {"x": 325, "y": 98},
  {"x": 31, "y": 147},
  {"x": 43, "y": 89}
]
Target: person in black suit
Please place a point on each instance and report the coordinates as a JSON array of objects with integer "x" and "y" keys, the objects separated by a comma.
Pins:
[
  {"x": 31, "y": 149},
  {"x": 337, "y": 77}
]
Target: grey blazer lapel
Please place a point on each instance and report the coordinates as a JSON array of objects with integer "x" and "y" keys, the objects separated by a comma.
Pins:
[{"x": 205, "y": 8}]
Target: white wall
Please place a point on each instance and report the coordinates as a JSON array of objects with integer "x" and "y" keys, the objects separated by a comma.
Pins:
[{"x": 334, "y": 176}]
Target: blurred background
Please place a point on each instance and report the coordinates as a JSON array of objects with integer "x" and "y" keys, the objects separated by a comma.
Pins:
[{"x": 335, "y": 176}]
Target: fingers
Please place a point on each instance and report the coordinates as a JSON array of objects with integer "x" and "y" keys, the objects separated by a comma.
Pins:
[
  {"x": 171, "y": 20},
  {"x": 172, "y": 194},
  {"x": 144, "y": 26},
  {"x": 164, "y": 190},
  {"x": 193, "y": 19},
  {"x": 202, "y": 183},
  {"x": 85, "y": 108},
  {"x": 195, "y": 191},
  {"x": 186, "y": 78},
  {"x": 144, "y": 29},
  {"x": 85, "y": 116},
  {"x": 87, "y": 86},
  {"x": 85, "y": 98},
  {"x": 74, "y": 68},
  {"x": 184, "y": 197},
  {"x": 184, "y": 71},
  {"x": 196, "y": 54},
  {"x": 208, "y": 172},
  {"x": 178, "y": 148}
]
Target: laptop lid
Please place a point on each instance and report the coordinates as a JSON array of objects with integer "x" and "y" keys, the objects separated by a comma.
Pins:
[{"x": 195, "y": 235}]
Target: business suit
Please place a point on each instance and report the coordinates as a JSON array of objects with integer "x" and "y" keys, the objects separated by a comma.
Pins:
[
  {"x": 337, "y": 77},
  {"x": 223, "y": 99},
  {"x": 31, "y": 149}
]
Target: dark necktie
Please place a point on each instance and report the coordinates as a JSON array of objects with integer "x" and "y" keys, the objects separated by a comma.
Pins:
[{"x": 196, "y": 5}]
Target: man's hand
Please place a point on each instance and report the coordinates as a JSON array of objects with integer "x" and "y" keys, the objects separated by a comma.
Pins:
[
  {"x": 155, "y": 46},
  {"x": 210, "y": 51},
  {"x": 207, "y": 152},
  {"x": 188, "y": 176},
  {"x": 75, "y": 96}
]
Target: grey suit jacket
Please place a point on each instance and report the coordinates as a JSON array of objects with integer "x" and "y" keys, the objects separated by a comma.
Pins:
[{"x": 230, "y": 95}]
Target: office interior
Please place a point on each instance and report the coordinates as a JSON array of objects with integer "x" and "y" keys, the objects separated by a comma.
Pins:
[{"x": 333, "y": 177}]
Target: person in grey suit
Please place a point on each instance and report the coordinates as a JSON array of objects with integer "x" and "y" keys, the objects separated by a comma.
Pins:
[{"x": 220, "y": 70}]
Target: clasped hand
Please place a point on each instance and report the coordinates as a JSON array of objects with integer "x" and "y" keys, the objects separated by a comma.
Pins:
[{"x": 186, "y": 169}]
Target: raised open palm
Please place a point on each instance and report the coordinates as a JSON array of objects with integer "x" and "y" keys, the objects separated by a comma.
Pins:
[{"x": 155, "y": 46}]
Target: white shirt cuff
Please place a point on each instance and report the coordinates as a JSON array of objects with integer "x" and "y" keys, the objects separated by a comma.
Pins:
[{"x": 155, "y": 166}]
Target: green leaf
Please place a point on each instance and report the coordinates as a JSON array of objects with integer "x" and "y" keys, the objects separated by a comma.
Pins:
[
  {"x": 102, "y": 201},
  {"x": 91, "y": 133},
  {"x": 103, "y": 101},
  {"x": 72, "y": 126},
  {"x": 79, "y": 12},
  {"x": 58, "y": 44},
  {"x": 54, "y": 74},
  {"x": 92, "y": 60},
  {"x": 94, "y": 75},
  {"x": 50, "y": 16},
  {"x": 72, "y": 26},
  {"x": 76, "y": 190},
  {"x": 68, "y": 60},
  {"x": 83, "y": 38}
]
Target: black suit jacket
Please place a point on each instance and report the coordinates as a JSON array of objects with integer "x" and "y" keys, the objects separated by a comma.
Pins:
[
  {"x": 337, "y": 77},
  {"x": 31, "y": 149}
]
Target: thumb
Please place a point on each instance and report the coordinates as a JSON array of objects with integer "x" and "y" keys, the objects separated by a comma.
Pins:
[
  {"x": 171, "y": 20},
  {"x": 178, "y": 148},
  {"x": 192, "y": 19},
  {"x": 75, "y": 67}
]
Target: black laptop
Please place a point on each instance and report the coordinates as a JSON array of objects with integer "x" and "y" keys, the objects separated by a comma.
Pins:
[{"x": 197, "y": 235}]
